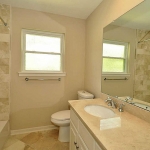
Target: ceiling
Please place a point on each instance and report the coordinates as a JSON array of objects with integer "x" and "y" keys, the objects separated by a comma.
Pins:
[
  {"x": 72, "y": 8},
  {"x": 136, "y": 18}
]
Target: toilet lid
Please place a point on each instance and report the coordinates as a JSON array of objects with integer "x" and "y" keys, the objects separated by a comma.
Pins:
[{"x": 61, "y": 115}]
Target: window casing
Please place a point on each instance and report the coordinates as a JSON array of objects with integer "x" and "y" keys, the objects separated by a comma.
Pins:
[
  {"x": 42, "y": 53},
  {"x": 115, "y": 57}
]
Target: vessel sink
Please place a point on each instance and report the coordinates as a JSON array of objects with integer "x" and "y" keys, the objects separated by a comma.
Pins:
[{"x": 99, "y": 111}]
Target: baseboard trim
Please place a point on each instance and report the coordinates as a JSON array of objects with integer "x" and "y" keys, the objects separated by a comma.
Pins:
[{"x": 35, "y": 129}]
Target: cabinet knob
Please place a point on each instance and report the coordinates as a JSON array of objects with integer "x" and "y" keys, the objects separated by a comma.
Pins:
[
  {"x": 75, "y": 143},
  {"x": 77, "y": 147}
]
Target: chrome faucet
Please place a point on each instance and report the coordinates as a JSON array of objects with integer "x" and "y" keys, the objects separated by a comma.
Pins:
[
  {"x": 108, "y": 99},
  {"x": 110, "y": 102},
  {"x": 121, "y": 107},
  {"x": 128, "y": 99}
]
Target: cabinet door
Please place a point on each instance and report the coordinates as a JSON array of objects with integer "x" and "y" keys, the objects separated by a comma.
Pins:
[
  {"x": 86, "y": 136},
  {"x": 73, "y": 138},
  {"x": 81, "y": 143}
]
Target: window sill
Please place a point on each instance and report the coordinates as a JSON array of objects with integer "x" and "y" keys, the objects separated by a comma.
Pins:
[
  {"x": 116, "y": 74},
  {"x": 42, "y": 74}
]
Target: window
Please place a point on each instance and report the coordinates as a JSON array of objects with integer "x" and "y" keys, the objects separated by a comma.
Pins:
[
  {"x": 42, "y": 52},
  {"x": 115, "y": 57}
]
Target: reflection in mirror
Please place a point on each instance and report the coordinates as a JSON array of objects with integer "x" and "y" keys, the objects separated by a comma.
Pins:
[{"x": 132, "y": 28}]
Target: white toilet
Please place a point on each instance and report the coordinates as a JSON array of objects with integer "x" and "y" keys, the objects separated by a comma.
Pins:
[{"x": 62, "y": 118}]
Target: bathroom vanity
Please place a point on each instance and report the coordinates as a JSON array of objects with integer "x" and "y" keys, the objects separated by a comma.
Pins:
[
  {"x": 85, "y": 132},
  {"x": 80, "y": 136}
]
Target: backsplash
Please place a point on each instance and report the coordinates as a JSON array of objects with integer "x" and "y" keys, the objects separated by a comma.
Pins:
[
  {"x": 142, "y": 67},
  {"x": 4, "y": 62},
  {"x": 136, "y": 111}
]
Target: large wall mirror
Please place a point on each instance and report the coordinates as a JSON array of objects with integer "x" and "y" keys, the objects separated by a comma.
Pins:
[{"x": 133, "y": 28}]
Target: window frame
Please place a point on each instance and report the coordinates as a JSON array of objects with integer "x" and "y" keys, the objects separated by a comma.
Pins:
[
  {"x": 42, "y": 72},
  {"x": 125, "y": 58}
]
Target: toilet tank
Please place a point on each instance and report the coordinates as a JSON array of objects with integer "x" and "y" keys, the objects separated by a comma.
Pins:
[{"x": 85, "y": 95}]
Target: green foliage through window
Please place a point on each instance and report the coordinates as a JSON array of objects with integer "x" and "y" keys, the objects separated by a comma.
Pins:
[{"x": 114, "y": 57}]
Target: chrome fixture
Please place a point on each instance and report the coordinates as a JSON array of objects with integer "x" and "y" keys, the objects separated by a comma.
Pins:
[
  {"x": 108, "y": 99},
  {"x": 116, "y": 79},
  {"x": 110, "y": 102},
  {"x": 121, "y": 107},
  {"x": 27, "y": 79},
  {"x": 128, "y": 99},
  {"x": 5, "y": 24}
]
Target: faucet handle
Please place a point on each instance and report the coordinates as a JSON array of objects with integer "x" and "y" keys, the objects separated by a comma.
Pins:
[
  {"x": 121, "y": 107},
  {"x": 115, "y": 105},
  {"x": 108, "y": 99},
  {"x": 128, "y": 98}
]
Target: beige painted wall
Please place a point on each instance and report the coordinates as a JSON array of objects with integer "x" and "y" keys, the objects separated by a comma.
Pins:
[
  {"x": 120, "y": 88},
  {"x": 33, "y": 102},
  {"x": 104, "y": 14}
]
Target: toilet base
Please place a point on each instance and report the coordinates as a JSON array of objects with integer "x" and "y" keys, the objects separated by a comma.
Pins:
[{"x": 64, "y": 134}]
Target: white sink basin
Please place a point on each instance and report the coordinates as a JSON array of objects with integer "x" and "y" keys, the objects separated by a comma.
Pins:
[{"x": 99, "y": 111}]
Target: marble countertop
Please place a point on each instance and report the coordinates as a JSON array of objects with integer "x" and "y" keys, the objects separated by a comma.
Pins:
[{"x": 134, "y": 133}]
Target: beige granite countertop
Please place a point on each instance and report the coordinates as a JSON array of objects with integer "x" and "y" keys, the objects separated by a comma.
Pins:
[{"x": 134, "y": 133}]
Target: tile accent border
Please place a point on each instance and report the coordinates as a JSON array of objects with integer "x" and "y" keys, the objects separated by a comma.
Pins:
[{"x": 35, "y": 129}]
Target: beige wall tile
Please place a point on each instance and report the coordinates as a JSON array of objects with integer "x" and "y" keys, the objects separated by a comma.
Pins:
[
  {"x": 4, "y": 37},
  {"x": 4, "y": 46},
  {"x": 4, "y": 63},
  {"x": 4, "y": 89},
  {"x": 4, "y": 116},
  {"x": 4, "y": 69},
  {"x": 142, "y": 67},
  {"x": 5, "y": 30},
  {"x": 4, "y": 77}
]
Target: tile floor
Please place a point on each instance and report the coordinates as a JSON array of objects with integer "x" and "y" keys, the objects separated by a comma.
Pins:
[{"x": 44, "y": 140}]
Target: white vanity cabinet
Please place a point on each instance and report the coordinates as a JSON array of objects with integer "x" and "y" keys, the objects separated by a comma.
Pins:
[
  {"x": 80, "y": 138},
  {"x": 76, "y": 142}
]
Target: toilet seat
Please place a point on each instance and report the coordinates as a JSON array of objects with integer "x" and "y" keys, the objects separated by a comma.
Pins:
[
  {"x": 61, "y": 118},
  {"x": 61, "y": 115},
  {"x": 60, "y": 122}
]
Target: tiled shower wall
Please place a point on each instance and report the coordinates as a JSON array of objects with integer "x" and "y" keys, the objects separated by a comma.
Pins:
[
  {"x": 4, "y": 62},
  {"x": 142, "y": 68}
]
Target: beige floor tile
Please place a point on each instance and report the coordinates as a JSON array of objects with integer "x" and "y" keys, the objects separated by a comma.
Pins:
[
  {"x": 66, "y": 144},
  {"x": 44, "y": 143},
  {"x": 60, "y": 146},
  {"x": 16, "y": 146},
  {"x": 11, "y": 140},
  {"x": 28, "y": 148},
  {"x": 32, "y": 138},
  {"x": 20, "y": 136},
  {"x": 51, "y": 133},
  {"x": 45, "y": 140}
]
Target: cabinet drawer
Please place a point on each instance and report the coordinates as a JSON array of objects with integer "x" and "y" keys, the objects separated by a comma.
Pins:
[
  {"x": 74, "y": 119},
  {"x": 82, "y": 144},
  {"x": 73, "y": 127},
  {"x": 86, "y": 136}
]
